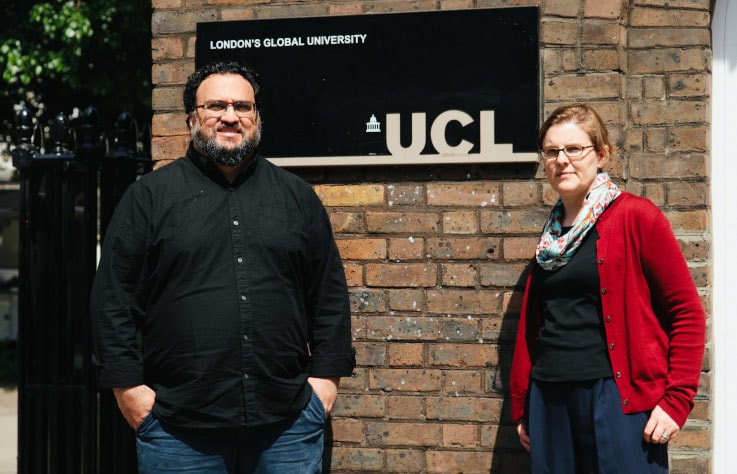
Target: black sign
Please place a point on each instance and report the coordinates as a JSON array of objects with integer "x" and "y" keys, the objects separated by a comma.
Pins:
[{"x": 407, "y": 88}]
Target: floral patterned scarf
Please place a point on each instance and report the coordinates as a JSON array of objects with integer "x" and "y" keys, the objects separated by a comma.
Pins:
[{"x": 555, "y": 250}]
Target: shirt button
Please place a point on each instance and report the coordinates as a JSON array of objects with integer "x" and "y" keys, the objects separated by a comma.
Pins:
[
  {"x": 235, "y": 222},
  {"x": 243, "y": 298},
  {"x": 245, "y": 338},
  {"x": 245, "y": 376},
  {"x": 239, "y": 260}
]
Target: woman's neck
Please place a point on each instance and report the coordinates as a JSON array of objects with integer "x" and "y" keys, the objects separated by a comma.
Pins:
[{"x": 571, "y": 208}]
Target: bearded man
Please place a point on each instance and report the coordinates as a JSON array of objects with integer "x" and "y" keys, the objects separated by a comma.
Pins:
[{"x": 220, "y": 310}]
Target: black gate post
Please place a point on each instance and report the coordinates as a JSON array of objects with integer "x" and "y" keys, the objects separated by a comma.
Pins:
[{"x": 22, "y": 157}]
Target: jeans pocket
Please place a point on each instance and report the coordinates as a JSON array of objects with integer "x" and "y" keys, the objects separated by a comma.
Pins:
[
  {"x": 145, "y": 424},
  {"x": 317, "y": 407}
]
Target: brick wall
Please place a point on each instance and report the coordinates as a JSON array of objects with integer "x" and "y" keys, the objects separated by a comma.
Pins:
[{"x": 435, "y": 256}]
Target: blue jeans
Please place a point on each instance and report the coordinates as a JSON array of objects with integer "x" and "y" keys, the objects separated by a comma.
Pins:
[{"x": 292, "y": 446}]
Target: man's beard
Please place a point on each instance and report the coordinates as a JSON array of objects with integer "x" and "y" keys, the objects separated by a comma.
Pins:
[{"x": 213, "y": 151}]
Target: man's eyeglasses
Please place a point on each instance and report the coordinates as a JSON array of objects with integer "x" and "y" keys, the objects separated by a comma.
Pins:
[
  {"x": 571, "y": 151},
  {"x": 217, "y": 108}
]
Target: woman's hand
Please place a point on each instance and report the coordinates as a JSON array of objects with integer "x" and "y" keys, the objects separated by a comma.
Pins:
[
  {"x": 660, "y": 428},
  {"x": 524, "y": 438}
]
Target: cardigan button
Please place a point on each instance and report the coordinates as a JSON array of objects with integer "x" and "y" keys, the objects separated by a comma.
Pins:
[
  {"x": 619, "y": 374},
  {"x": 601, "y": 260},
  {"x": 611, "y": 346},
  {"x": 603, "y": 291},
  {"x": 626, "y": 402},
  {"x": 608, "y": 318}
]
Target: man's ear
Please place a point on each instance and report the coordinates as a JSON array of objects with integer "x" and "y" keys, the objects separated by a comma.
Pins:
[{"x": 188, "y": 121}]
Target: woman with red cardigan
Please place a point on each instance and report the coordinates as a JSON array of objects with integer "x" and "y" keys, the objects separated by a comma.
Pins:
[{"x": 612, "y": 330}]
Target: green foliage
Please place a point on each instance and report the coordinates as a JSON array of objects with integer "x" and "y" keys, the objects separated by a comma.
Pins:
[
  {"x": 62, "y": 32},
  {"x": 57, "y": 55}
]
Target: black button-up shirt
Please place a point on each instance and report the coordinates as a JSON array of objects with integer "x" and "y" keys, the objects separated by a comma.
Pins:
[{"x": 238, "y": 289}]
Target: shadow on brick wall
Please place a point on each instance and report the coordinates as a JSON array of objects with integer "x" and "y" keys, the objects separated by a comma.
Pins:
[{"x": 509, "y": 456}]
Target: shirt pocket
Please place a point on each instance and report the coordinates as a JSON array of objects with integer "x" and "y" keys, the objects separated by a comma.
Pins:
[{"x": 279, "y": 227}]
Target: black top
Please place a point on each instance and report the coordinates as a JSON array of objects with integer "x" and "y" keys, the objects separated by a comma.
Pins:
[
  {"x": 572, "y": 341},
  {"x": 239, "y": 291}
]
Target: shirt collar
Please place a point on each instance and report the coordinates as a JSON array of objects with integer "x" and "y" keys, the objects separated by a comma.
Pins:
[{"x": 211, "y": 171}]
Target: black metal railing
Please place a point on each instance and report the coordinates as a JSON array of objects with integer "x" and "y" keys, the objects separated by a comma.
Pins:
[{"x": 69, "y": 186}]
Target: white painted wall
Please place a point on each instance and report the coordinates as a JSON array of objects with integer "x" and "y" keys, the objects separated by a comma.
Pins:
[{"x": 724, "y": 228}]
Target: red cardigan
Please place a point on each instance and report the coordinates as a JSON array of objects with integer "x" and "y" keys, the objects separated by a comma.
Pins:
[{"x": 653, "y": 318}]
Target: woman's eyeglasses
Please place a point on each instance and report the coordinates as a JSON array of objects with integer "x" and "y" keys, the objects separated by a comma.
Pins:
[{"x": 571, "y": 151}]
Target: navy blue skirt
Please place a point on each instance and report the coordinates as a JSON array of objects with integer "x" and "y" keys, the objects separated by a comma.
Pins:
[{"x": 579, "y": 427}]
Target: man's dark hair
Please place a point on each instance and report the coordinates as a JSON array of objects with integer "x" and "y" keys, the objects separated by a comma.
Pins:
[{"x": 223, "y": 67}]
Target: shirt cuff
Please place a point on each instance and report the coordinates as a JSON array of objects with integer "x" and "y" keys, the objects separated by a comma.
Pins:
[
  {"x": 333, "y": 365},
  {"x": 120, "y": 374}
]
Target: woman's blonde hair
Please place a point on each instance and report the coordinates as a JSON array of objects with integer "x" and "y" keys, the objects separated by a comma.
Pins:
[{"x": 587, "y": 118}]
